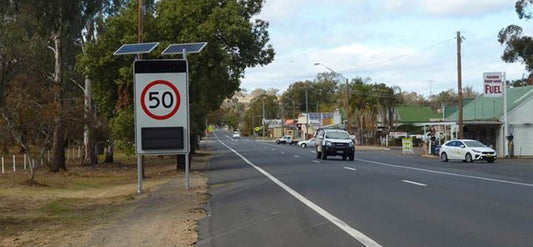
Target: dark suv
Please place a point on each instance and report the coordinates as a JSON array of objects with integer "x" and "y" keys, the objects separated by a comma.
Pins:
[{"x": 334, "y": 142}]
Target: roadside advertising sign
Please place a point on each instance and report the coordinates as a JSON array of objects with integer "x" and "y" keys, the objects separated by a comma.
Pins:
[
  {"x": 493, "y": 84},
  {"x": 407, "y": 145}
]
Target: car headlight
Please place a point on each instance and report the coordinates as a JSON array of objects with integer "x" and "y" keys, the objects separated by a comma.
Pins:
[
  {"x": 329, "y": 144},
  {"x": 350, "y": 144},
  {"x": 476, "y": 151}
]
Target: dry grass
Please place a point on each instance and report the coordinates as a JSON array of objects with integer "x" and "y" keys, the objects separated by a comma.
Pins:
[{"x": 61, "y": 204}]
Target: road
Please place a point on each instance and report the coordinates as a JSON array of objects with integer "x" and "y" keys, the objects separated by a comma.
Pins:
[{"x": 263, "y": 194}]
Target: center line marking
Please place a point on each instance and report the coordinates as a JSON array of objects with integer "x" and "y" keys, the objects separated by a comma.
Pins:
[
  {"x": 282, "y": 152},
  {"x": 415, "y": 183},
  {"x": 296, "y": 156},
  {"x": 354, "y": 233},
  {"x": 350, "y": 168},
  {"x": 316, "y": 161}
]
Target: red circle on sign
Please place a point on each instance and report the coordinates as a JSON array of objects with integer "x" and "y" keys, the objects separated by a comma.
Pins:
[{"x": 171, "y": 86}]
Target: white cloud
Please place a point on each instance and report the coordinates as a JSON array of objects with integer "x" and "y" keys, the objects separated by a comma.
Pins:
[{"x": 466, "y": 8}]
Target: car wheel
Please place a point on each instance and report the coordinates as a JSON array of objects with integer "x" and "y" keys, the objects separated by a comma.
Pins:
[
  {"x": 443, "y": 157},
  {"x": 490, "y": 161},
  {"x": 344, "y": 157},
  {"x": 468, "y": 158},
  {"x": 324, "y": 156},
  {"x": 303, "y": 145},
  {"x": 317, "y": 154},
  {"x": 351, "y": 157}
]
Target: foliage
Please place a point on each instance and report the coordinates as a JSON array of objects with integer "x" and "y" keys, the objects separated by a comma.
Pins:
[
  {"x": 235, "y": 42},
  {"x": 518, "y": 48},
  {"x": 121, "y": 130},
  {"x": 254, "y": 115}
]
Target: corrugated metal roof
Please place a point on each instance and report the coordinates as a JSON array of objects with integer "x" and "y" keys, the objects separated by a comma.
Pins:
[
  {"x": 487, "y": 108},
  {"x": 412, "y": 114}
]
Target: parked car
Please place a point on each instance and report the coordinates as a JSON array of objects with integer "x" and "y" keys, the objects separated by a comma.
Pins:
[
  {"x": 334, "y": 142},
  {"x": 285, "y": 140},
  {"x": 236, "y": 134},
  {"x": 307, "y": 143},
  {"x": 466, "y": 150}
]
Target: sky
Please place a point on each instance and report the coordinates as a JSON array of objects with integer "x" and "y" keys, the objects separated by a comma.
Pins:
[{"x": 405, "y": 43}]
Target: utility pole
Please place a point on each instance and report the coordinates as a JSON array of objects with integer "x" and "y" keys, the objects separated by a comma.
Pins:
[
  {"x": 459, "y": 86},
  {"x": 348, "y": 106},
  {"x": 140, "y": 26},
  {"x": 263, "y": 116}
]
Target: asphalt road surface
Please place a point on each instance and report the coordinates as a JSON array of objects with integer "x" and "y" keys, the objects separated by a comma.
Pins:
[{"x": 263, "y": 194}]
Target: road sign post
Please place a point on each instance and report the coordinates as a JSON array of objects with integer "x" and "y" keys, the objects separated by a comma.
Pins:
[{"x": 161, "y": 102}]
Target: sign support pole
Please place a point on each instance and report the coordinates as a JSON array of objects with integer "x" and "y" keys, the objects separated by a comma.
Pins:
[
  {"x": 139, "y": 173},
  {"x": 187, "y": 133}
]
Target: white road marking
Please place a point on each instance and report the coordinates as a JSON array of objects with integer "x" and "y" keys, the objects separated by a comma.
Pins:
[
  {"x": 282, "y": 152},
  {"x": 359, "y": 236},
  {"x": 448, "y": 173},
  {"x": 415, "y": 183},
  {"x": 350, "y": 168},
  {"x": 316, "y": 161},
  {"x": 313, "y": 152},
  {"x": 296, "y": 156}
]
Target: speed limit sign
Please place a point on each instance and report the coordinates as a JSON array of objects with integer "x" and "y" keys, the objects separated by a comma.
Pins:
[{"x": 161, "y": 107}]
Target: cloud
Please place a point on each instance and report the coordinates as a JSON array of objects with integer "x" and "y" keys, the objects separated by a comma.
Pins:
[{"x": 466, "y": 8}]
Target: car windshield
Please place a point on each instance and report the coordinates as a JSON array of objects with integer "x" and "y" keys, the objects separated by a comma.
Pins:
[
  {"x": 337, "y": 135},
  {"x": 474, "y": 144}
]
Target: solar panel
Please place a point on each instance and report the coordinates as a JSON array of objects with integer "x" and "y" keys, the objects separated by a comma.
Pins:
[
  {"x": 189, "y": 47},
  {"x": 136, "y": 48}
]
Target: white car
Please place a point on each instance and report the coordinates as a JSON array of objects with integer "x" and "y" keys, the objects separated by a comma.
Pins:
[
  {"x": 236, "y": 134},
  {"x": 466, "y": 150},
  {"x": 307, "y": 143}
]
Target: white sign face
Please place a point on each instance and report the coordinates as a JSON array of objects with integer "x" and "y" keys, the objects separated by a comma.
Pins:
[
  {"x": 161, "y": 107},
  {"x": 493, "y": 84}
]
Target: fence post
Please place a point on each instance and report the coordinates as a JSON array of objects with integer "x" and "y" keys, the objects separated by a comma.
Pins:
[
  {"x": 2, "y": 164},
  {"x": 14, "y": 163},
  {"x": 24, "y": 161}
]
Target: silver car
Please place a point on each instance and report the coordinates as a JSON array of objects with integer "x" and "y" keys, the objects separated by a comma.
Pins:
[{"x": 307, "y": 143}]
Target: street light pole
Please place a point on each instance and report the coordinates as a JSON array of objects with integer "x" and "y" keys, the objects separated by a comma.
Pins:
[
  {"x": 347, "y": 106},
  {"x": 306, "y": 115}
]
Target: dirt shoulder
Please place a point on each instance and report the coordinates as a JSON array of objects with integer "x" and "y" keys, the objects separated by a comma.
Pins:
[{"x": 100, "y": 206}]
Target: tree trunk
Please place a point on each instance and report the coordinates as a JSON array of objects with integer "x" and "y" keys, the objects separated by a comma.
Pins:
[
  {"x": 108, "y": 151},
  {"x": 58, "y": 147},
  {"x": 58, "y": 142},
  {"x": 89, "y": 154}
]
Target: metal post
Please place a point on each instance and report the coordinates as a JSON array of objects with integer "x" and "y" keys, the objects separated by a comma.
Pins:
[
  {"x": 187, "y": 171},
  {"x": 139, "y": 174},
  {"x": 306, "y": 115},
  {"x": 505, "y": 122},
  {"x": 187, "y": 133}
]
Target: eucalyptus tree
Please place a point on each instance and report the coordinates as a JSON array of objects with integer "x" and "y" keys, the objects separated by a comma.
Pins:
[
  {"x": 235, "y": 39},
  {"x": 518, "y": 47}
]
